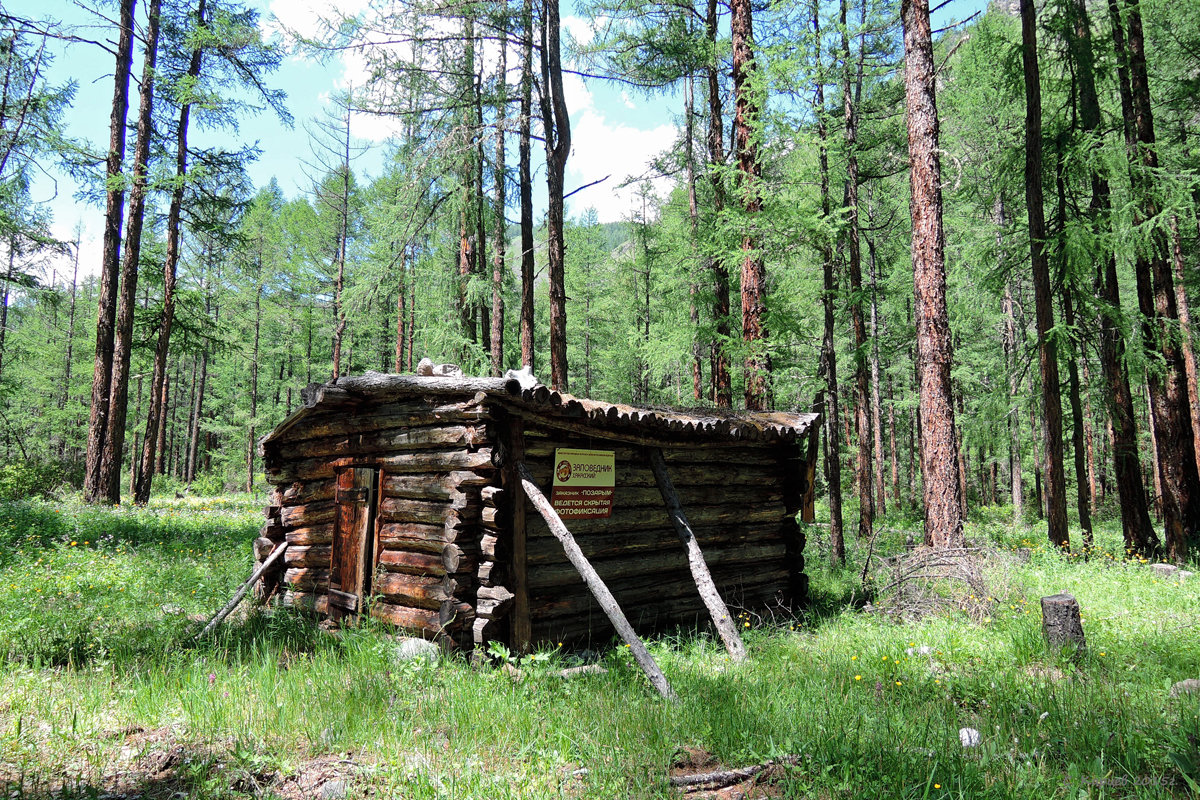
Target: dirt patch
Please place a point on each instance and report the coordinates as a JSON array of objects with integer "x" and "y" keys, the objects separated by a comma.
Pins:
[{"x": 324, "y": 778}]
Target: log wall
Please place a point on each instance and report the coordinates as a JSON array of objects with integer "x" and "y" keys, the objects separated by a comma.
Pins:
[
  {"x": 434, "y": 460},
  {"x": 740, "y": 500},
  {"x": 461, "y": 556}
]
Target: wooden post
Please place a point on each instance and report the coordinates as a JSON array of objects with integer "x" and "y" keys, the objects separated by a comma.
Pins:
[
  {"x": 603, "y": 596},
  {"x": 521, "y": 631},
  {"x": 237, "y": 598},
  {"x": 700, "y": 574}
]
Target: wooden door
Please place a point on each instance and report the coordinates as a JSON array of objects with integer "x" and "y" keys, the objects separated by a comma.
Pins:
[{"x": 352, "y": 560}]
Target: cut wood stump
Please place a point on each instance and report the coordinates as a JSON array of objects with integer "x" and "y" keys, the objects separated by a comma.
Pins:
[{"x": 1061, "y": 624}]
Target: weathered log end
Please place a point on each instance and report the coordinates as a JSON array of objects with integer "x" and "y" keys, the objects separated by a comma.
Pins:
[{"x": 1062, "y": 626}]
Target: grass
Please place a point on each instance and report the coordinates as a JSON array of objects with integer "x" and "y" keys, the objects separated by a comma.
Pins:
[{"x": 103, "y": 692}]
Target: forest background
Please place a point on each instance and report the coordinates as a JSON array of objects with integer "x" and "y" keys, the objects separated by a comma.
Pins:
[{"x": 1071, "y": 240}]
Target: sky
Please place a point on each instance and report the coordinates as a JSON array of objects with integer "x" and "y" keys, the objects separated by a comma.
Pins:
[{"x": 615, "y": 133}]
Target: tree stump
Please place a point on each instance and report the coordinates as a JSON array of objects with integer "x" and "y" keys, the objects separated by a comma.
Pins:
[{"x": 1061, "y": 624}]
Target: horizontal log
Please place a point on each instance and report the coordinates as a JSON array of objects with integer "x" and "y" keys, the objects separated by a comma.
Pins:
[
  {"x": 585, "y": 621},
  {"x": 492, "y": 496},
  {"x": 306, "y": 577},
  {"x": 632, "y": 543},
  {"x": 450, "y": 486},
  {"x": 314, "y": 534},
  {"x": 495, "y": 548},
  {"x": 664, "y": 564},
  {"x": 378, "y": 386},
  {"x": 493, "y": 609},
  {"x": 419, "y": 591},
  {"x": 704, "y": 453},
  {"x": 450, "y": 561},
  {"x": 420, "y": 621},
  {"x": 436, "y": 437},
  {"x": 307, "y": 514},
  {"x": 262, "y": 548},
  {"x": 682, "y": 475},
  {"x": 419, "y": 461},
  {"x": 403, "y": 509},
  {"x": 323, "y": 424},
  {"x": 486, "y": 629},
  {"x": 419, "y": 536},
  {"x": 647, "y": 518},
  {"x": 273, "y": 530},
  {"x": 299, "y": 492},
  {"x": 308, "y": 555},
  {"x": 492, "y": 573}
]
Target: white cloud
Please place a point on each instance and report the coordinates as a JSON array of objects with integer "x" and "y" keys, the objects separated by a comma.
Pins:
[
  {"x": 601, "y": 146},
  {"x": 579, "y": 29}
]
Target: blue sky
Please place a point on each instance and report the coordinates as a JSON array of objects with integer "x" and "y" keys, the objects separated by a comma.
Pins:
[{"x": 614, "y": 132}]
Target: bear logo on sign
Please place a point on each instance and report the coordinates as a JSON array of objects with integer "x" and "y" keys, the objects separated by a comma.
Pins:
[{"x": 563, "y": 471}]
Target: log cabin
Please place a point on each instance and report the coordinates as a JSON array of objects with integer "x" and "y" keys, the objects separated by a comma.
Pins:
[{"x": 398, "y": 496}]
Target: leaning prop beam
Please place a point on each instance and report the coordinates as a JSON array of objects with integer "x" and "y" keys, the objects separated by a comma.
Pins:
[
  {"x": 699, "y": 567},
  {"x": 603, "y": 596},
  {"x": 237, "y": 597}
]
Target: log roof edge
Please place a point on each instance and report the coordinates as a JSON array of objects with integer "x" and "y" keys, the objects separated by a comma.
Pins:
[{"x": 552, "y": 406}]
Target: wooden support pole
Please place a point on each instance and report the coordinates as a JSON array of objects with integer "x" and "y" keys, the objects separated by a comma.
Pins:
[
  {"x": 699, "y": 567},
  {"x": 594, "y": 583},
  {"x": 237, "y": 598}
]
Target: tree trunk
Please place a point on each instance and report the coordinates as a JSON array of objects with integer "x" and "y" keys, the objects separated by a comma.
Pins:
[
  {"x": 94, "y": 489},
  {"x": 1138, "y": 531},
  {"x": 862, "y": 392},
  {"x": 400, "y": 298},
  {"x": 557, "y": 127},
  {"x": 155, "y": 417},
  {"x": 1014, "y": 376},
  {"x": 66, "y": 392},
  {"x": 525, "y": 188},
  {"x": 189, "y": 470},
  {"x": 754, "y": 333},
  {"x": 118, "y": 392},
  {"x": 939, "y": 441},
  {"x": 1174, "y": 447},
  {"x": 1056, "y": 488},
  {"x": 1185, "y": 332},
  {"x": 689, "y": 114},
  {"x": 876, "y": 407},
  {"x": 250, "y": 434},
  {"x": 339, "y": 285},
  {"x": 826, "y": 402},
  {"x": 501, "y": 178},
  {"x": 721, "y": 381},
  {"x": 1082, "y": 499}
]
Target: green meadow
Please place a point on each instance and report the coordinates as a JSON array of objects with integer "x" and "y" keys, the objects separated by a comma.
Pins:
[{"x": 104, "y": 693}]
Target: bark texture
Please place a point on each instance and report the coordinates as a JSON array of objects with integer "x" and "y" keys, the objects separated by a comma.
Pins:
[{"x": 939, "y": 441}]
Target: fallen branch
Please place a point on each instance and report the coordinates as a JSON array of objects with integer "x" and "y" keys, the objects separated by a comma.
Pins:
[{"x": 728, "y": 777}]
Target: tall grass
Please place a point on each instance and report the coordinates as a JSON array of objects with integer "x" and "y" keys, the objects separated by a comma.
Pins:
[{"x": 99, "y": 677}]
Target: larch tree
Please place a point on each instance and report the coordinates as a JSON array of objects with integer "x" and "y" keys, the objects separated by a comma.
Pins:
[
  {"x": 939, "y": 439},
  {"x": 94, "y": 489},
  {"x": 757, "y": 364},
  {"x": 1056, "y": 482}
]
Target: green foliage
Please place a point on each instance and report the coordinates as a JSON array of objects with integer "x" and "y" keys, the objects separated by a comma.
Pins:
[{"x": 20, "y": 480}]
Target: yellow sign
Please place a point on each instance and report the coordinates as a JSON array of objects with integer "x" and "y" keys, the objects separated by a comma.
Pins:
[{"x": 583, "y": 483}]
